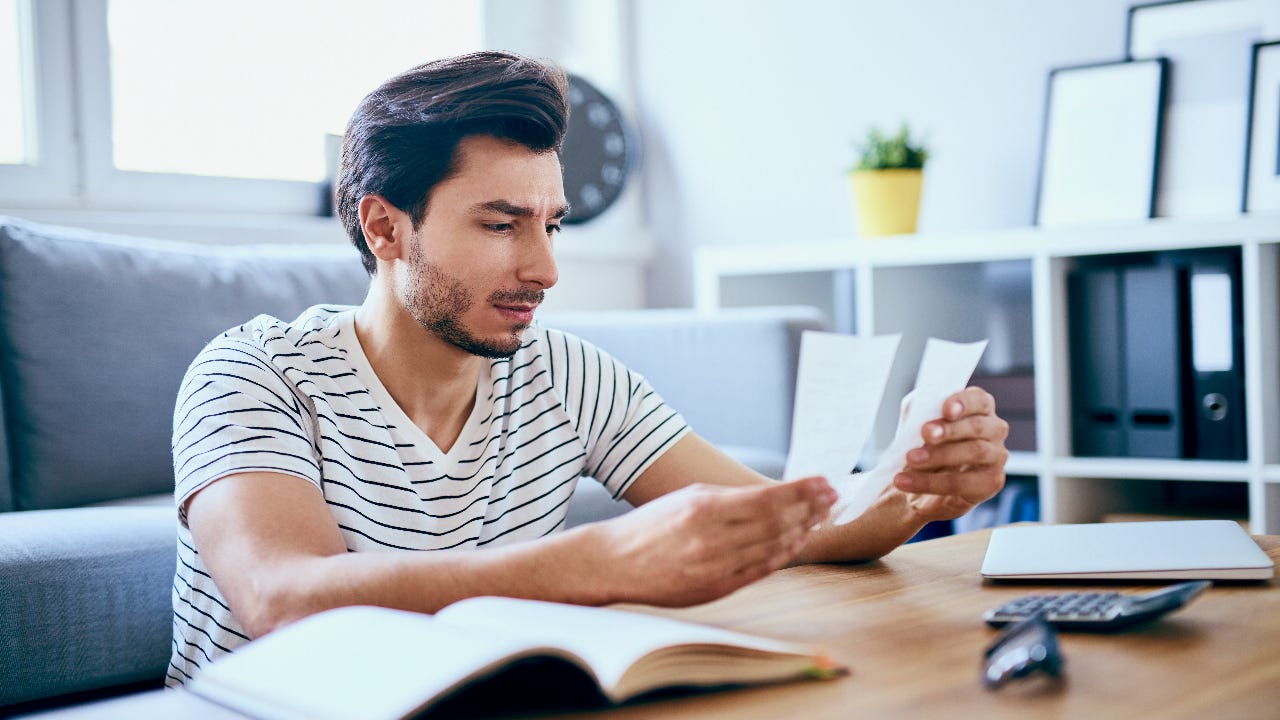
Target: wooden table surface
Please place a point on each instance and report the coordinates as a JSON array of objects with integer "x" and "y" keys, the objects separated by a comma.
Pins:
[{"x": 910, "y": 628}]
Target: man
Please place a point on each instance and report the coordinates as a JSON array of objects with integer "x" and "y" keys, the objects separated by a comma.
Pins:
[{"x": 314, "y": 457}]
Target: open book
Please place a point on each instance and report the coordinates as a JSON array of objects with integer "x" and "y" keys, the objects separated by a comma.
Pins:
[{"x": 370, "y": 662}]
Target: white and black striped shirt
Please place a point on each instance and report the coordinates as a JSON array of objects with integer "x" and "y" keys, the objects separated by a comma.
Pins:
[{"x": 301, "y": 399}]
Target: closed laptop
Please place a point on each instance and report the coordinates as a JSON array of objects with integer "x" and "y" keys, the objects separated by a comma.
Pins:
[{"x": 1174, "y": 550}]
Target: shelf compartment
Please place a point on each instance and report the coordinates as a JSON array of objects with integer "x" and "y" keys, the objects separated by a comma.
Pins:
[
  {"x": 1110, "y": 499},
  {"x": 958, "y": 302},
  {"x": 1137, "y": 331}
]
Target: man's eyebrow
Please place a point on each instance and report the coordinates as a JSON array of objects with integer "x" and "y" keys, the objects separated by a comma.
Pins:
[{"x": 508, "y": 208}]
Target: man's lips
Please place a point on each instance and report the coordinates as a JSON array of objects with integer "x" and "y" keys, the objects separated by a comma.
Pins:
[
  {"x": 517, "y": 305},
  {"x": 522, "y": 312}
]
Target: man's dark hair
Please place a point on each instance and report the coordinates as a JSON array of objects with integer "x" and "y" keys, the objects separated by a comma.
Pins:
[{"x": 403, "y": 138}]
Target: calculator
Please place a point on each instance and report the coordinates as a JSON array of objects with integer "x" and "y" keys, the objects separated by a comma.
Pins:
[{"x": 1096, "y": 611}]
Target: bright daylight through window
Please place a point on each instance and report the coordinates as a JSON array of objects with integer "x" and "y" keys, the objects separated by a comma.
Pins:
[
  {"x": 247, "y": 88},
  {"x": 13, "y": 96}
]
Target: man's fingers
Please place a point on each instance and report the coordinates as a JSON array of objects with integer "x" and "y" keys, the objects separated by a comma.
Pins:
[
  {"x": 748, "y": 505},
  {"x": 763, "y": 514},
  {"x": 730, "y": 556},
  {"x": 931, "y": 483},
  {"x": 968, "y": 413},
  {"x": 955, "y": 454},
  {"x": 818, "y": 496},
  {"x": 973, "y": 485},
  {"x": 769, "y": 554},
  {"x": 813, "y": 490},
  {"x": 702, "y": 541},
  {"x": 970, "y": 401},
  {"x": 989, "y": 427}
]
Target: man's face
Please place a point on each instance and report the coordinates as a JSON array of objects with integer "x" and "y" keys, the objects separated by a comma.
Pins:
[{"x": 482, "y": 256}]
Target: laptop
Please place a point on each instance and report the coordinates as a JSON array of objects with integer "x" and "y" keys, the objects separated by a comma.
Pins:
[{"x": 1160, "y": 550}]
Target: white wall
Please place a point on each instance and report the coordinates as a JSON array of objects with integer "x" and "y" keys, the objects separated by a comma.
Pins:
[{"x": 749, "y": 111}]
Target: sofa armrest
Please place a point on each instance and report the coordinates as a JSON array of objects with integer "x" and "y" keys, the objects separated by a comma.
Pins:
[{"x": 85, "y": 599}]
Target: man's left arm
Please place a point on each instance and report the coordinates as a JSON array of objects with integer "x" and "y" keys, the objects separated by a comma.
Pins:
[{"x": 960, "y": 464}]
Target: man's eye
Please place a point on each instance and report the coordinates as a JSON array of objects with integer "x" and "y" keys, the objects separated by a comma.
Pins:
[
  {"x": 499, "y": 227},
  {"x": 553, "y": 229}
]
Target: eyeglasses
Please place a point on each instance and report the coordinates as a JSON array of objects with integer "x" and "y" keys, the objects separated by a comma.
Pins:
[{"x": 1023, "y": 648}]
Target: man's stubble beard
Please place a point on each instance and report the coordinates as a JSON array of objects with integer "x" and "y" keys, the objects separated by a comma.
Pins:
[{"x": 438, "y": 302}]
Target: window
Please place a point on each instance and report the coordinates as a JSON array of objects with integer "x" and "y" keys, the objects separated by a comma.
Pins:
[
  {"x": 251, "y": 88},
  {"x": 13, "y": 105},
  {"x": 189, "y": 104}
]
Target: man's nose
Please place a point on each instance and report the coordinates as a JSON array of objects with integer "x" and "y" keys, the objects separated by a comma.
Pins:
[{"x": 538, "y": 262}]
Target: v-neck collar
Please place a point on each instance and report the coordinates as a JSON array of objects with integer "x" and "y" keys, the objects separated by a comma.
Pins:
[{"x": 395, "y": 415}]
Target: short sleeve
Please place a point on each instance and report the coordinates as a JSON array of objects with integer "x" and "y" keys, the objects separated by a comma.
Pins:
[
  {"x": 623, "y": 421},
  {"x": 237, "y": 413}
]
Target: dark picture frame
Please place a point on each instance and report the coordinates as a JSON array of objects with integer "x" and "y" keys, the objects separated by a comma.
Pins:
[
  {"x": 1207, "y": 44},
  {"x": 1261, "y": 192},
  {"x": 1099, "y": 152}
]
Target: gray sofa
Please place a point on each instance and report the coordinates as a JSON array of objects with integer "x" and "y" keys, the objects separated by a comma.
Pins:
[{"x": 96, "y": 332}]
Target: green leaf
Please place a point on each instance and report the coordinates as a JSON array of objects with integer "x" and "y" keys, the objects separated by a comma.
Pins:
[{"x": 883, "y": 152}]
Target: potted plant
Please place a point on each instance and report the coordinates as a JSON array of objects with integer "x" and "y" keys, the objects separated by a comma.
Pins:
[{"x": 887, "y": 182}]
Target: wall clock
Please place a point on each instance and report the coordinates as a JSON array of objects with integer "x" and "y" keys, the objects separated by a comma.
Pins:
[{"x": 599, "y": 152}]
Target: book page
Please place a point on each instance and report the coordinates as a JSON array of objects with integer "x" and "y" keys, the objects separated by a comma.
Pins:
[
  {"x": 355, "y": 662},
  {"x": 610, "y": 640}
]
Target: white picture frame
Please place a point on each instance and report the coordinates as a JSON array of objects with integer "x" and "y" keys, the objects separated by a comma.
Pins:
[
  {"x": 1100, "y": 149},
  {"x": 1207, "y": 43},
  {"x": 1261, "y": 191}
]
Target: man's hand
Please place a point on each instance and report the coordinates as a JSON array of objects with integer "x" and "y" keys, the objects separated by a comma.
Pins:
[
  {"x": 962, "y": 460},
  {"x": 702, "y": 542}
]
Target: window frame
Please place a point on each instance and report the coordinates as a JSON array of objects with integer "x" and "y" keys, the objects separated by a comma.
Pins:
[
  {"x": 105, "y": 186},
  {"x": 49, "y": 181},
  {"x": 73, "y": 128}
]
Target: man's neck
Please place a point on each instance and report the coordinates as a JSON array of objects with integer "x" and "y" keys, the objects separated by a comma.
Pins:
[{"x": 433, "y": 381}]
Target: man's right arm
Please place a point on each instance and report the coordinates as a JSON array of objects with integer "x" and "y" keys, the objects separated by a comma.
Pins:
[{"x": 277, "y": 555}]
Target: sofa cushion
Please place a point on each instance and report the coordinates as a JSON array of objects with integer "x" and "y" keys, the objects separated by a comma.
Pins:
[
  {"x": 86, "y": 599},
  {"x": 97, "y": 331}
]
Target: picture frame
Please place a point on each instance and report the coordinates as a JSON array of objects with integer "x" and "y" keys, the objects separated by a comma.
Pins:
[
  {"x": 1207, "y": 44},
  {"x": 1099, "y": 154},
  {"x": 1261, "y": 192}
]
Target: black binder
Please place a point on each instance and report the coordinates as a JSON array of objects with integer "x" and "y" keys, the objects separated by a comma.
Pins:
[
  {"x": 1157, "y": 356},
  {"x": 1153, "y": 360},
  {"x": 1097, "y": 379},
  {"x": 1215, "y": 408}
]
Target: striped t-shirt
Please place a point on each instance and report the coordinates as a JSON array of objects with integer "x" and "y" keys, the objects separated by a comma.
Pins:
[{"x": 301, "y": 399}]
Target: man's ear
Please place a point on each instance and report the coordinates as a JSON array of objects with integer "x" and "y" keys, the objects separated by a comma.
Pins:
[{"x": 384, "y": 226}]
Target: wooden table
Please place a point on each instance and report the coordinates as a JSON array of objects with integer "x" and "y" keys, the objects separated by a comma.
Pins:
[{"x": 910, "y": 628}]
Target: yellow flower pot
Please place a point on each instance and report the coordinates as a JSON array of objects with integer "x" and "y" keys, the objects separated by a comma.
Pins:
[{"x": 886, "y": 202}]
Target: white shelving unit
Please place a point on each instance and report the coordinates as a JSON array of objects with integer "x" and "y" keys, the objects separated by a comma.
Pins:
[{"x": 1009, "y": 285}]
